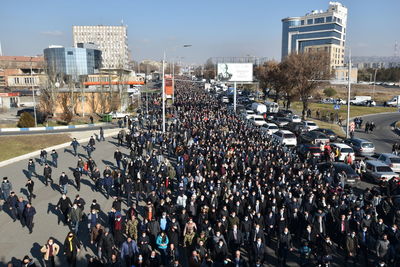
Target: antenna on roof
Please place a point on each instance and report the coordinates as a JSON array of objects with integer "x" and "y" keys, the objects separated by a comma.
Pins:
[{"x": 122, "y": 22}]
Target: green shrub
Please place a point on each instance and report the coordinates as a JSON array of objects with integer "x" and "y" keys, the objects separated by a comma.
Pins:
[
  {"x": 329, "y": 92},
  {"x": 26, "y": 120}
]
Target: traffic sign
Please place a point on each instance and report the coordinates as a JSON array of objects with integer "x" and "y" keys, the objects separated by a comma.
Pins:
[{"x": 336, "y": 107}]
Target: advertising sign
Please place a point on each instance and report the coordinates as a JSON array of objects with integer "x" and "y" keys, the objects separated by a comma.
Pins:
[
  {"x": 169, "y": 90},
  {"x": 235, "y": 72}
]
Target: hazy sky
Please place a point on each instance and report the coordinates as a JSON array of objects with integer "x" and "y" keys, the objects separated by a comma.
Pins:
[{"x": 213, "y": 27}]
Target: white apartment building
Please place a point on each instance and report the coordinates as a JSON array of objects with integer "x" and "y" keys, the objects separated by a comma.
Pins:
[{"x": 111, "y": 40}]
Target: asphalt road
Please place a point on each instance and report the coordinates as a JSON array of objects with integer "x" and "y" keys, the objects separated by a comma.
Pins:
[
  {"x": 384, "y": 135},
  {"x": 15, "y": 241}
]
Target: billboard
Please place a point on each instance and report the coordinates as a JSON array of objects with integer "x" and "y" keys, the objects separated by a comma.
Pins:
[
  {"x": 169, "y": 90},
  {"x": 235, "y": 72}
]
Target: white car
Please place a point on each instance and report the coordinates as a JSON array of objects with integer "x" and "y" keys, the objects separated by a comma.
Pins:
[
  {"x": 270, "y": 128},
  {"x": 310, "y": 125},
  {"x": 248, "y": 114},
  {"x": 258, "y": 120},
  {"x": 285, "y": 137},
  {"x": 294, "y": 118},
  {"x": 392, "y": 160},
  {"x": 225, "y": 100},
  {"x": 344, "y": 150},
  {"x": 118, "y": 115}
]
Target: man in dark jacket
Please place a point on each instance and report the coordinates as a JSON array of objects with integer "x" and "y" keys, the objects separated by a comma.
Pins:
[
  {"x": 64, "y": 183},
  {"x": 77, "y": 176},
  {"x": 118, "y": 158},
  {"x": 258, "y": 251},
  {"x": 29, "y": 212},
  {"x": 107, "y": 245},
  {"x": 12, "y": 202},
  {"x": 351, "y": 247},
  {"x": 47, "y": 174},
  {"x": 64, "y": 204},
  {"x": 284, "y": 246},
  {"x": 20, "y": 209},
  {"x": 235, "y": 239}
]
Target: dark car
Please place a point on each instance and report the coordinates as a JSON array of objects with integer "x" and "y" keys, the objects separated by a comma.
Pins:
[
  {"x": 313, "y": 137},
  {"x": 284, "y": 113},
  {"x": 305, "y": 149},
  {"x": 295, "y": 127},
  {"x": 280, "y": 121},
  {"x": 339, "y": 167},
  {"x": 328, "y": 132}
]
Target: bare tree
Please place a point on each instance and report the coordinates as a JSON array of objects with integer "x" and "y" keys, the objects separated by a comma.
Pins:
[
  {"x": 306, "y": 71},
  {"x": 269, "y": 76}
]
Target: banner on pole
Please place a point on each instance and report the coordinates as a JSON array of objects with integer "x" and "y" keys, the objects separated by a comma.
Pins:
[{"x": 169, "y": 90}]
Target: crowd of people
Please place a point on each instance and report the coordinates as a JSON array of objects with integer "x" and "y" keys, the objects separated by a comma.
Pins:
[{"x": 215, "y": 191}]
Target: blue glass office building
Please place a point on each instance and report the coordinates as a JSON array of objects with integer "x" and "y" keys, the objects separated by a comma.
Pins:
[
  {"x": 318, "y": 29},
  {"x": 72, "y": 61}
]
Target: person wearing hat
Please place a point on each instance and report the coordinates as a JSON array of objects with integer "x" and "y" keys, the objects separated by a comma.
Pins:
[
  {"x": 71, "y": 249},
  {"x": 29, "y": 213}
]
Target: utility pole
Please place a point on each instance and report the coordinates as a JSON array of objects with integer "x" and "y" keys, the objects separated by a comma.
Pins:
[
  {"x": 348, "y": 98},
  {"x": 163, "y": 95},
  {"x": 33, "y": 95},
  {"x": 173, "y": 81},
  {"x": 373, "y": 90},
  {"x": 234, "y": 96}
]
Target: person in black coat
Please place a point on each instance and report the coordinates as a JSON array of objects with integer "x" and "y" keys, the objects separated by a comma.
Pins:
[
  {"x": 30, "y": 185},
  {"x": 47, "y": 174},
  {"x": 256, "y": 233},
  {"x": 77, "y": 176},
  {"x": 364, "y": 241},
  {"x": 71, "y": 249},
  {"x": 237, "y": 260},
  {"x": 246, "y": 226},
  {"x": 284, "y": 246},
  {"x": 220, "y": 252},
  {"x": 258, "y": 251},
  {"x": 235, "y": 239},
  {"x": 29, "y": 213},
  {"x": 64, "y": 204}
]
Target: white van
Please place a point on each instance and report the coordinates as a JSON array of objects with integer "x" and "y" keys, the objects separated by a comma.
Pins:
[
  {"x": 259, "y": 108},
  {"x": 394, "y": 102},
  {"x": 272, "y": 107},
  {"x": 285, "y": 137},
  {"x": 358, "y": 100}
]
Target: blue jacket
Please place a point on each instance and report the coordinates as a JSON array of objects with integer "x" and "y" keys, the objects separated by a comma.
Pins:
[
  {"x": 159, "y": 242},
  {"x": 125, "y": 248}
]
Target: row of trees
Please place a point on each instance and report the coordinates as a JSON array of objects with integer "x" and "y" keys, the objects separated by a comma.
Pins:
[
  {"x": 382, "y": 75},
  {"x": 296, "y": 77}
]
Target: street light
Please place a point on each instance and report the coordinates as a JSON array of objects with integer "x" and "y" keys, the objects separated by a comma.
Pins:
[{"x": 373, "y": 90}]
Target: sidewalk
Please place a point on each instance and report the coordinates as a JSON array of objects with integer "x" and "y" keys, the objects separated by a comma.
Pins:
[{"x": 80, "y": 136}]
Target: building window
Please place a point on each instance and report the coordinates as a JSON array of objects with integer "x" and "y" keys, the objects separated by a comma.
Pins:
[
  {"x": 70, "y": 53},
  {"x": 328, "y": 19},
  {"x": 310, "y": 21},
  {"x": 319, "y": 20},
  {"x": 302, "y": 22}
]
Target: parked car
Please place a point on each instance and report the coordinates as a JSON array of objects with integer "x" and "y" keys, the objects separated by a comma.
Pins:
[
  {"x": 294, "y": 118},
  {"x": 284, "y": 113},
  {"x": 285, "y": 137},
  {"x": 339, "y": 167},
  {"x": 313, "y": 138},
  {"x": 269, "y": 128},
  {"x": 328, "y": 132},
  {"x": 258, "y": 120},
  {"x": 280, "y": 121},
  {"x": 367, "y": 103},
  {"x": 344, "y": 151},
  {"x": 310, "y": 125},
  {"x": 118, "y": 115},
  {"x": 377, "y": 171},
  {"x": 295, "y": 127},
  {"x": 361, "y": 147},
  {"x": 269, "y": 116},
  {"x": 248, "y": 114},
  {"x": 305, "y": 149},
  {"x": 225, "y": 99},
  {"x": 392, "y": 160}
]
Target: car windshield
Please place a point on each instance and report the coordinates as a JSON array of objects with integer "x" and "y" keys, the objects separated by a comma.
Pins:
[
  {"x": 367, "y": 145},
  {"x": 289, "y": 135},
  {"x": 383, "y": 169},
  {"x": 347, "y": 150},
  {"x": 395, "y": 160},
  {"x": 346, "y": 169},
  {"x": 273, "y": 127},
  {"x": 311, "y": 124},
  {"x": 258, "y": 119}
]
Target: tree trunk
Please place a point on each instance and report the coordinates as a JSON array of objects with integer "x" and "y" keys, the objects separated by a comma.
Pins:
[{"x": 305, "y": 107}]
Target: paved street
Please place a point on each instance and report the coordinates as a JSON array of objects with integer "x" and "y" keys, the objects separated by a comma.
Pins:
[
  {"x": 383, "y": 136},
  {"x": 15, "y": 240}
]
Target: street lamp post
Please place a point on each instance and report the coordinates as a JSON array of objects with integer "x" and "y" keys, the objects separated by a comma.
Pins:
[
  {"x": 163, "y": 95},
  {"x": 373, "y": 90},
  {"x": 348, "y": 98}
]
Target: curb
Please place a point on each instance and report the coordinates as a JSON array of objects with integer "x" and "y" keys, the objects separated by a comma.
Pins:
[
  {"x": 50, "y": 128},
  {"x": 37, "y": 152}
]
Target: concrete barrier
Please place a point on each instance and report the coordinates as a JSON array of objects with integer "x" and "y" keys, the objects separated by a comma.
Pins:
[{"x": 51, "y": 128}]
